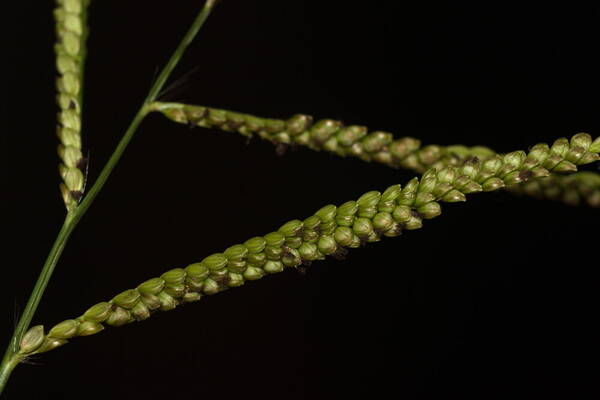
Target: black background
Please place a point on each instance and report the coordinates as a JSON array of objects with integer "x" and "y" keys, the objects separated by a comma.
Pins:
[{"x": 497, "y": 298}]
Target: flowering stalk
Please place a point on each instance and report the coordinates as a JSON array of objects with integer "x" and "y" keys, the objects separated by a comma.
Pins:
[
  {"x": 71, "y": 32},
  {"x": 329, "y": 232},
  {"x": 356, "y": 141},
  {"x": 328, "y": 135}
]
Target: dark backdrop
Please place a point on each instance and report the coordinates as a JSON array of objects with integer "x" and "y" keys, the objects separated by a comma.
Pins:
[{"x": 496, "y": 298}]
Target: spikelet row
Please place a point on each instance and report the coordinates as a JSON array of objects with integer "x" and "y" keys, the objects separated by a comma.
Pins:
[
  {"x": 70, "y": 23},
  {"x": 355, "y": 141},
  {"x": 327, "y": 135},
  {"x": 329, "y": 232}
]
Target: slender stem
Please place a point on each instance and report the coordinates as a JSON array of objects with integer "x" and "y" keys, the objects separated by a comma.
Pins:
[
  {"x": 11, "y": 357},
  {"x": 8, "y": 364},
  {"x": 185, "y": 42},
  {"x": 42, "y": 282}
]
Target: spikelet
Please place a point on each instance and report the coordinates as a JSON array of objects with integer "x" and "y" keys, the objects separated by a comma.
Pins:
[
  {"x": 329, "y": 232},
  {"x": 70, "y": 53}
]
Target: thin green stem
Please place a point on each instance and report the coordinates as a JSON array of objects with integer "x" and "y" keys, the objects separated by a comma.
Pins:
[
  {"x": 42, "y": 282},
  {"x": 11, "y": 357},
  {"x": 187, "y": 39},
  {"x": 8, "y": 364}
]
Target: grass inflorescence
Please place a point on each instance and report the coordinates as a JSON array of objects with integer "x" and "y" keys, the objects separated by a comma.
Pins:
[{"x": 329, "y": 232}]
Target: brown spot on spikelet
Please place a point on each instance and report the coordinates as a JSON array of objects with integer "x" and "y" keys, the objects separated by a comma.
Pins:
[
  {"x": 416, "y": 214},
  {"x": 77, "y": 195},
  {"x": 233, "y": 125},
  {"x": 398, "y": 229},
  {"x": 340, "y": 254},
  {"x": 363, "y": 240},
  {"x": 82, "y": 163},
  {"x": 286, "y": 251},
  {"x": 222, "y": 280},
  {"x": 525, "y": 175}
]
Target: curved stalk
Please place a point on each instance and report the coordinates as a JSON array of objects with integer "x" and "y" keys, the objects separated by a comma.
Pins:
[{"x": 11, "y": 358}]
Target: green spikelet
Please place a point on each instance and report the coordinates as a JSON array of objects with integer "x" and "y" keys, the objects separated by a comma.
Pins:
[
  {"x": 71, "y": 32},
  {"x": 329, "y": 232}
]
